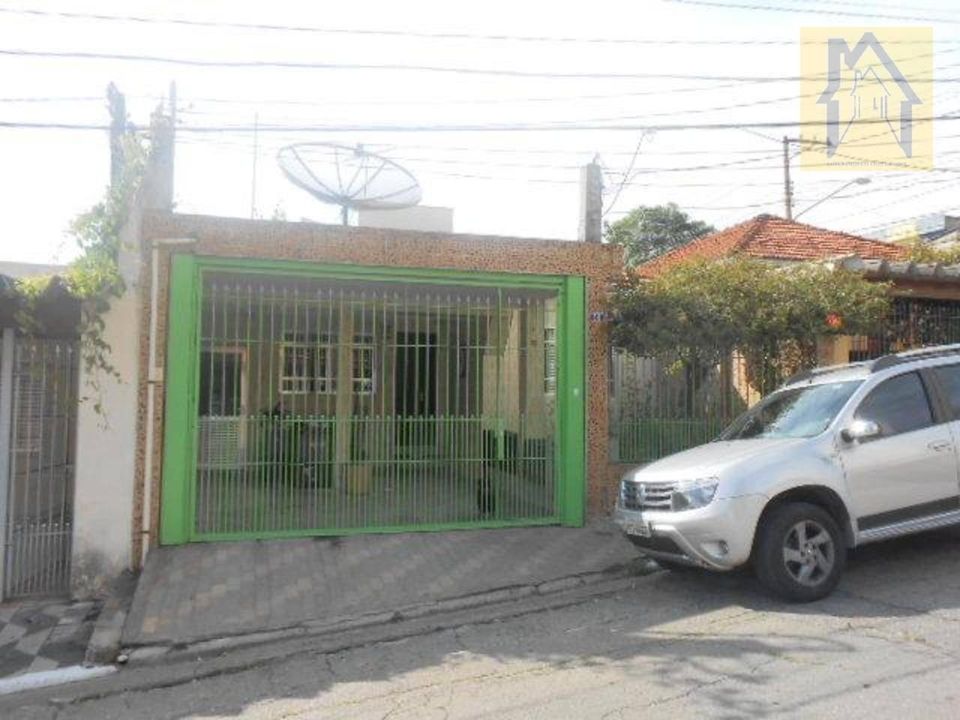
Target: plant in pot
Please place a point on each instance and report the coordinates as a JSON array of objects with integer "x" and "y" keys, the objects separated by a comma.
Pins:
[{"x": 359, "y": 470}]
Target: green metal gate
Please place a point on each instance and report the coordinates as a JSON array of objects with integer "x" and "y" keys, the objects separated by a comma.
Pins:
[{"x": 305, "y": 399}]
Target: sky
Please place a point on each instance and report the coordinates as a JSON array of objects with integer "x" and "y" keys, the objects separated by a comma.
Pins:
[{"x": 512, "y": 182}]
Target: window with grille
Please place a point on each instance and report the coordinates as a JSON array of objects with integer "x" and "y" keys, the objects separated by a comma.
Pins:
[
  {"x": 307, "y": 366},
  {"x": 550, "y": 360},
  {"x": 363, "y": 365}
]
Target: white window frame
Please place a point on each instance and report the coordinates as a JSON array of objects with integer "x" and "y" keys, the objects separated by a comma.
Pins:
[
  {"x": 307, "y": 382},
  {"x": 549, "y": 360},
  {"x": 363, "y": 344}
]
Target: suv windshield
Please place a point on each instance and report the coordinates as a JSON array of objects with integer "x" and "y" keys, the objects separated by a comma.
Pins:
[{"x": 799, "y": 412}]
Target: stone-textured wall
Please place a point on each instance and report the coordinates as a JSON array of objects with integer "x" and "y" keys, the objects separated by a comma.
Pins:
[{"x": 223, "y": 237}]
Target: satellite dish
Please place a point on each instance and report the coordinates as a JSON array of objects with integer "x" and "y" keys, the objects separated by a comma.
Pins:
[{"x": 349, "y": 177}]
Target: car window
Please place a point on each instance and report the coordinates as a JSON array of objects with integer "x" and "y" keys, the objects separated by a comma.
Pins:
[
  {"x": 949, "y": 378},
  {"x": 793, "y": 413},
  {"x": 897, "y": 405}
]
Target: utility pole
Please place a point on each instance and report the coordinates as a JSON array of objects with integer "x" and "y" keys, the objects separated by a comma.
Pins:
[
  {"x": 591, "y": 203},
  {"x": 787, "y": 188},
  {"x": 171, "y": 153},
  {"x": 253, "y": 180},
  {"x": 117, "y": 105},
  {"x": 787, "y": 183}
]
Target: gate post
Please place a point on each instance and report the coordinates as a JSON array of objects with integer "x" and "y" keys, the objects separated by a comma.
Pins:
[{"x": 7, "y": 348}]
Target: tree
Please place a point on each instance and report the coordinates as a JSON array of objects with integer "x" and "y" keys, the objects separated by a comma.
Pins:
[
  {"x": 919, "y": 251},
  {"x": 699, "y": 312},
  {"x": 649, "y": 231}
]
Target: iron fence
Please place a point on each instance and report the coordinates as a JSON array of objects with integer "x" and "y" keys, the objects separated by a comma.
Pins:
[
  {"x": 41, "y": 379},
  {"x": 325, "y": 406},
  {"x": 662, "y": 405}
]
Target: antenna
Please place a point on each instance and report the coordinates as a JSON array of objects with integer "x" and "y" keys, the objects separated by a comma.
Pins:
[{"x": 349, "y": 177}]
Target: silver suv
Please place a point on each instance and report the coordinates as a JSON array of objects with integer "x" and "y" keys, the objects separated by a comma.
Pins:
[{"x": 838, "y": 457}]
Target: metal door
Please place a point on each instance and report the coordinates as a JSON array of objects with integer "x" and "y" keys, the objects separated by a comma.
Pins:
[
  {"x": 38, "y": 405},
  {"x": 325, "y": 405}
]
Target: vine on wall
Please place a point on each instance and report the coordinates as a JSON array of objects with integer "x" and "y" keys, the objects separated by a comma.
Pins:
[{"x": 94, "y": 277}]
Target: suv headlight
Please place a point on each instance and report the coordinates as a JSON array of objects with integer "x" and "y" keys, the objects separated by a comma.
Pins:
[{"x": 693, "y": 494}]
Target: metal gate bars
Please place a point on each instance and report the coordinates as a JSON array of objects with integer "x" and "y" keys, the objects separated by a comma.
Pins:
[
  {"x": 325, "y": 404},
  {"x": 38, "y": 408}
]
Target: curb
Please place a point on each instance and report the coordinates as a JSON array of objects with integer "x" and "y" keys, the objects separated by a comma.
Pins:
[
  {"x": 178, "y": 670},
  {"x": 48, "y": 678},
  {"x": 171, "y": 652},
  {"x": 104, "y": 645}
]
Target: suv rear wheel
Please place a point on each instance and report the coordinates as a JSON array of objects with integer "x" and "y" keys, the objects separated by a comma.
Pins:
[{"x": 800, "y": 552}]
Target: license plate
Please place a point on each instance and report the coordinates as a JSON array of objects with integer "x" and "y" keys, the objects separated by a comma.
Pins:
[{"x": 641, "y": 529}]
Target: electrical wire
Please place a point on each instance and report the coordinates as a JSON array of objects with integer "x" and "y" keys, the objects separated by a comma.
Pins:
[
  {"x": 381, "y": 32},
  {"x": 403, "y": 67},
  {"x": 872, "y": 15}
]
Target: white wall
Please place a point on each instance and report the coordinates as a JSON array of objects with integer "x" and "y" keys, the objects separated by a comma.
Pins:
[
  {"x": 106, "y": 456},
  {"x": 419, "y": 217},
  {"x": 107, "y": 435}
]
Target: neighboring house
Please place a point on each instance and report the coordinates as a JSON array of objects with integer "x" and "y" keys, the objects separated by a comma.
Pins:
[
  {"x": 657, "y": 411},
  {"x": 768, "y": 237}
]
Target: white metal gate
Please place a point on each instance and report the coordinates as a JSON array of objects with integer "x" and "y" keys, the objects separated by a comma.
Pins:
[{"x": 38, "y": 408}]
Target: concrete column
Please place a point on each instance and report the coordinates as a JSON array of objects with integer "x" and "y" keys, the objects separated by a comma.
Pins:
[
  {"x": 591, "y": 203},
  {"x": 344, "y": 402},
  {"x": 106, "y": 455},
  {"x": 6, "y": 430},
  {"x": 108, "y": 418}
]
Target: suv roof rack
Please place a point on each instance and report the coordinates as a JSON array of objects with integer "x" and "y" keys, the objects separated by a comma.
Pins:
[
  {"x": 814, "y": 372},
  {"x": 931, "y": 351}
]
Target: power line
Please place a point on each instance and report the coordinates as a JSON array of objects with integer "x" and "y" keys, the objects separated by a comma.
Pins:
[
  {"x": 385, "y": 32},
  {"x": 529, "y": 127},
  {"x": 402, "y": 67},
  {"x": 566, "y": 150},
  {"x": 665, "y": 113},
  {"x": 883, "y": 206},
  {"x": 871, "y": 5},
  {"x": 626, "y": 177},
  {"x": 461, "y": 101},
  {"x": 727, "y": 164},
  {"x": 15, "y": 100},
  {"x": 806, "y": 11}
]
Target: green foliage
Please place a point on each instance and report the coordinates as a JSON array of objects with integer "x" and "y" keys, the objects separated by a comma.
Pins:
[
  {"x": 700, "y": 312},
  {"x": 649, "y": 231},
  {"x": 921, "y": 252},
  {"x": 94, "y": 277}
]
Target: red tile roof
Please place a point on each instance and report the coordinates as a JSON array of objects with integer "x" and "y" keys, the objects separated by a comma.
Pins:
[{"x": 774, "y": 238}]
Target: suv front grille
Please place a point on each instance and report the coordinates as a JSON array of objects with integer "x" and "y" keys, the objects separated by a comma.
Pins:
[{"x": 646, "y": 495}]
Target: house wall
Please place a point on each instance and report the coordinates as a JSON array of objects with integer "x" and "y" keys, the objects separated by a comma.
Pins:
[
  {"x": 110, "y": 442},
  {"x": 600, "y": 264}
]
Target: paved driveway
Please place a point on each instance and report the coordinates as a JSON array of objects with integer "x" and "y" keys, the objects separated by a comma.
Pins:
[
  {"x": 676, "y": 645},
  {"x": 208, "y": 590}
]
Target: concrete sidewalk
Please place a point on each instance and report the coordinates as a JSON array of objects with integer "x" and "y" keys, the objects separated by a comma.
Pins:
[
  {"x": 40, "y": 635},
  {"x": 196, "y": 592}
]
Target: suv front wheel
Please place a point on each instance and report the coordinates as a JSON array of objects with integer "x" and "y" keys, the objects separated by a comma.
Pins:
[{"x": 800, "y": 552}]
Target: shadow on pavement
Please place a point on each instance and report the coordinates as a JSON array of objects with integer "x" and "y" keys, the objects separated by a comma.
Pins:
[{"x": 675, "y": 630}]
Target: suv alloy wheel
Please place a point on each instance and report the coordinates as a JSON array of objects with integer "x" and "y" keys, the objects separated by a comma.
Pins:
[{"x": 800, "y": 552}]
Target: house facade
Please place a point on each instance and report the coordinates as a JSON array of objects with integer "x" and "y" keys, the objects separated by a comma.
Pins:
[
  {"x": 311, "y": 379},
  {"x": 657, "y": 409}
]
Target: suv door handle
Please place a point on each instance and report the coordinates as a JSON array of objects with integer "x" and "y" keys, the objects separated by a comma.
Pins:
[{"x": 939, "y": 445}]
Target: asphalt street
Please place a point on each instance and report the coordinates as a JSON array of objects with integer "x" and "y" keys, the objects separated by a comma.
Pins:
[{"x": 670, "y": 645}]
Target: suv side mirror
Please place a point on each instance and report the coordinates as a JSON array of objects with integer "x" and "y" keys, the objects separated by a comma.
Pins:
[{"x": 860, "y": 430}]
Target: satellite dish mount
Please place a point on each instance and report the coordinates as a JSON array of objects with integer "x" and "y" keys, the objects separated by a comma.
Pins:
[{"x": 349, "y": 177}]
